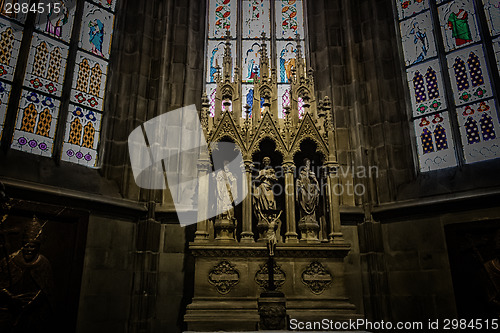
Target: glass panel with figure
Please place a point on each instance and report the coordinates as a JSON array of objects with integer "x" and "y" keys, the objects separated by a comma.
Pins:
[
  {"x": 96, "y": 30},
  {"x": 418, "y": 39},
  {"x": 458, "y": 24},
  {"x": 215, "y": 57},
  {"x": 286, "y": 53},
  {"x": 57, "y": 21},
  {"x": 250, "y": 62}
]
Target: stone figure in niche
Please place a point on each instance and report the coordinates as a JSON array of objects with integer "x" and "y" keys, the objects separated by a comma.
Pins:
[
  {"x": 26, "y": 286},
  {"x": 226, "y": 192},
  {"x": 264, "y": 196},
  {"x": 307, "y": 192}
]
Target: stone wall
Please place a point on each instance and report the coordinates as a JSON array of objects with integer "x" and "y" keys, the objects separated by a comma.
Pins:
[
  {"x": 107, "y": 276},
  {"x": 157, "y": 67}
]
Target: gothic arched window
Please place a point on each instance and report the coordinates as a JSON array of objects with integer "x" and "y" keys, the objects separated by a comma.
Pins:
[
  {"x": 280, "y": 21},
  {"x": 449, "y": 40},
  {"x": 56, "y": 110}
]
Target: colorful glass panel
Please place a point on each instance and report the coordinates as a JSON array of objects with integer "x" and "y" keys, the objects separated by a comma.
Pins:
[
  {"x": 222, "y": 16},
  {"x": 256, "y": 19},
  {"x": 440, "y": 138},
  {"x": 289, "y": 19},
  {"x": 96, "y": 31},
  {"x": 211, "y": 90},
  {"x": 417, "y": 39},
  {"x": 283, "y": 99},
  {"x": 286, "y": 53},
  {"x": 300, "y": 103},
  {"x": 434, "y": 141},
  {"x": 458, "y": 24},
  {"x": 247, "y": 93},
  {"x": 89, "y": 81},
  {"x": 407, "y": 8},
  {"x": 492, "y": 11},
  {"x": 426, "y": 88},
  {"x": 9, "y": 11},
  {"x": 36, "y": 123},
  {"x": 57, "y": 23},
  {"x": 479, "y": 128},
  {"x": 215, "y": 57},
  {"x": 250, "y": 63},
  {"x": 46, "y": 65},
  {"x": 4, "y": 101},
  {"x": 496, "y": 48},
  {"x": 108, "y": 4},
  {"x": 82, "y": 136},
  {"x": 466, "y": 68},
  {"x": 10, "y": 41}
]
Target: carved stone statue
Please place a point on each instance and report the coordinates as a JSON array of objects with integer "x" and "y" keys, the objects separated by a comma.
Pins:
[
  {"x": 264, "y": 200},
  {"x": 264, "y": 196},
  {"x": 273, "y": 224},
  {"x": 307, "y": 188},
  {"x": 225, "y": 223},
  {"x": 226, "y": 191},
  {"x": 26, "y": 286}
]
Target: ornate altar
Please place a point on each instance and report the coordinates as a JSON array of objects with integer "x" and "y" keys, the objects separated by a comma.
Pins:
[{"x": 231, "y": 250}]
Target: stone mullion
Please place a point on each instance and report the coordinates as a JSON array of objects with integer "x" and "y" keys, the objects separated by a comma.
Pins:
[
  {"x": 335, "y": 235},
  {"x": 247, "y": 234},
  {"x": 201, "y": 234},
  {"x": 145, "y": 282},
  {"x": 291, "y": 229}
]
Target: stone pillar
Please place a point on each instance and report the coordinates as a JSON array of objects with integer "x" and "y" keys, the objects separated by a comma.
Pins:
[
  {"x": 291, "y": 233},
  {"x": 246, "y": 231},
  {"x": 335, "y": 235},
  {"x": 145, "y": 282},
  {"x": 201, "y": 234}
]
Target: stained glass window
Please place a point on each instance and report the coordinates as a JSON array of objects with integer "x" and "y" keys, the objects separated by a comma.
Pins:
[
  {"x": 46, "y": 65},
  {"x": 40, "y": 106},
  {"x": 4, "y": 101},
  {"x": 460, "y": 62},
  {"x": 36, "y": 123},
  {"x": 280, "y": 21},
  {"x": 58, "y": 25},
  {"x": 10, "y": 41}
]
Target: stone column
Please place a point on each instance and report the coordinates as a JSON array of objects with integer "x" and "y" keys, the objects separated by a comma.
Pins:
[
  {"x": 335, "y": 235},
  {"x": 291, "y": 233},
  {"x": 201, "y": 234},
  {"x": 246, "y": 231}
]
